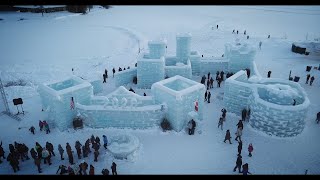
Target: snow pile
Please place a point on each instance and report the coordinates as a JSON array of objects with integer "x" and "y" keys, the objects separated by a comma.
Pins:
[
  {"x": 179, "y": 94},
  {"x": 123, "y": 145}
]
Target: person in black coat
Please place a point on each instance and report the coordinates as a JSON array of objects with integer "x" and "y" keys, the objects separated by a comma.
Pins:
[
  {"x": 69, "y": 152},
  {"x": 240, "y": 124},
  {"x": 104, "y": 78},
  {"x": 318, "y": 117},
  {"x": 113, "y": 71},
  {"x": 208, "y": 84},
  {"x": 49, "y": 147},
  {"x": 114, "y": 168},
  {"x": 269, "y": 74},
  {"x": 227, "y": 137},
  {"x": 224, "y": 113},
  {"x": 208, "y": 75},
  {"x": 294, "y": 102},
  {"x": 311, "y": 80},
  {"x": 243, "y": 114},
  {"x": 209, "y": 96},
  {"x": 106, "y": 73},
  {"x": 105, "y": 171},
  {"x": 33, "y": 153},
  {"x": 221, "y": 75},
  {"x": 205, "y": 96},
  {"x": 144, "y": 94},
  {"x": 308, "y": 77},
  {"x": 32, "y": 129},
  {"x": 217, "y": 74},
  {"x": 238, "y": 164},
  {"x": 211, "y": 83},
  {"x": 239, "y": 147},
  {"x": 219, "y": 81},
  {"x": 14, "y": 162},
  {"x": 78, "y": 148}
]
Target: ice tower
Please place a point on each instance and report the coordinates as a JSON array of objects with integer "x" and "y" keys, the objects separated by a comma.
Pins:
[
  {"x": 183, "y": 47},
  {"x": 240, "y": 56},
  {"x": 180, "y": 95},
  {"x": 151, "y": 66},
  {"x": 56, "y": 100}
]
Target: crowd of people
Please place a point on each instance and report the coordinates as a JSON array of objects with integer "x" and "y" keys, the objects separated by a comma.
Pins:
[{"x": 20, "y": 152}]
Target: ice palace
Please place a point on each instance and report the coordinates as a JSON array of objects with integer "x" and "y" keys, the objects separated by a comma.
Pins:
[{"x": 173, "y": 93}]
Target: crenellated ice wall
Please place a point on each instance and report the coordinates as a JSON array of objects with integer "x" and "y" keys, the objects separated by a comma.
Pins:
[
  {"x": 179, "y": 69},
  {"x": 125, "y": 77},
  {"x": 240, "y": 56}
]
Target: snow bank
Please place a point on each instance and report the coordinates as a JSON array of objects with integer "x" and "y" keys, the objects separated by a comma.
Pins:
[{"x": 179, "y": 94}]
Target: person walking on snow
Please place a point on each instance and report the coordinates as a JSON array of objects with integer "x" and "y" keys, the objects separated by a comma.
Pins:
[
  {"x": 240, "y": 124},
  {"x": 220, "y": 123},
  {"x": 60, "y": 149},
  {"x": 105, "y": 141},
  {"x": 32, "y": 129},
  {"x": 239, "y": 147},
  {"x": 308, "y": 77},
  {"x": 250, "y": 149},
  {"x": 209, "y": 96},
  {"x": 205, "y": 96},
  {"x": 114, "y": 168},
  {"x": 211, "y": 83},
  {"x": 238, "y": 164},
  {"x": 311, "y": 80},
  {"x": 227, "y": 137},
  {"x": 40, "y": 125},
  {"x": 318, "y": 118},
  {"x": 260, "y": 43},
  {"x": 113, "y": 71},
  {"x": 238, "y": 134},
  {"x": 224, "y": 113}
]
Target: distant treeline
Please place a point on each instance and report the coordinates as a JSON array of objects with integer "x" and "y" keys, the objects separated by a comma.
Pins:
[{"x": 71, "y": 8}]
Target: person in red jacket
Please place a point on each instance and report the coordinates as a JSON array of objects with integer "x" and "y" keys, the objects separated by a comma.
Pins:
[{"x": 250, "y": 149}]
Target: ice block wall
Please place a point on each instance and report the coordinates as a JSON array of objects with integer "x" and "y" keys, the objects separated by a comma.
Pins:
[
  {"x": 240, "y": 57},
  {"x": 179, "y": 69},
  {"x": 236, "y": 93},
  {"x": 150, "y": 71},
  {"x": 97, "y": 85},
  {"x": 195, "y": 62},
  {"x": 121, "y": 109},
  {"x": 213, "y": 65},
  {"x": 125, "y": 77},
  {"x": 183, "y": 47},
  {"x": 157, "y": 49},
  {"x": 56, "y": 98},
  {"x": 280, "y": 119},
  {"x": 180, "y": 95},
  {"x": 136, "y": 117}
]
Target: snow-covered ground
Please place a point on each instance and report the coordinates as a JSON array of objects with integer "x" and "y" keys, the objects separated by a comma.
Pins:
[{"x": 41, "y": 49}]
